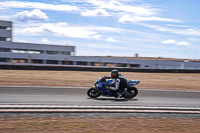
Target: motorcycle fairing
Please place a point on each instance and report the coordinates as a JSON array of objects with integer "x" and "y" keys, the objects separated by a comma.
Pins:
[{"x": 133, "y": 82}]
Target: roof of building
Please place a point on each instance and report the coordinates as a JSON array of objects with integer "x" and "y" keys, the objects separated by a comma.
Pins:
[{"x": 150, "y": 58}]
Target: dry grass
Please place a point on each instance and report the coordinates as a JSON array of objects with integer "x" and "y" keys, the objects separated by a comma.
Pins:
[
  {"x": 99, "y": 125},
  {"x": 167, "y": 81}
]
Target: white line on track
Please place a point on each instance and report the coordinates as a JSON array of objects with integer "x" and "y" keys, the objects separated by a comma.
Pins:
[
  {"x": 94, "y": 111},
  {"x": 45, "y": 106}
]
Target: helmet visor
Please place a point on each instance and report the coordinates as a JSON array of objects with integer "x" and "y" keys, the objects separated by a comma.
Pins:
[{"x": 113, "y": 75}]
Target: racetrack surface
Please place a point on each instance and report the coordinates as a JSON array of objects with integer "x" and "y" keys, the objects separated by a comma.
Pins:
[{"x": 78, "y": 96}]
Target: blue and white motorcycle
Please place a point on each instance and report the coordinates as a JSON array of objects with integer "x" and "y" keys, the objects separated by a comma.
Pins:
[{"x": 100, "y": 88}]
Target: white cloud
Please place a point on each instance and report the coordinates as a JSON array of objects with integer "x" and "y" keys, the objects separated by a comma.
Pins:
[
  {"x": 188, "y": 31},
  {"x": 81, "y": 31},
  {"x": 194, "y": 39},
  {"x": 37, "y": 5},
  {"x": 114, "y": 5},
  {"x": 175, "y": 42},
  {"x": 111, "y": 40},
  {"x": 65, "y": 29},
  {"x": 96, "y": 12},
  {"x": 183, "y": 43},
  {"x": 169, "y": 42},
  {"x": 60, "y": 29},
  {"x": 96, "y": 36},
  {"x": 45, "y": 40},
  {"x": 181, "y": 26},
  {"x": 131, "y": 19},
  {"x": 34, "y": 15}
]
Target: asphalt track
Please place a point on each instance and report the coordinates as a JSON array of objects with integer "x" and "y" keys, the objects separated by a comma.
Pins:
[{"x": 76, "y": 98}]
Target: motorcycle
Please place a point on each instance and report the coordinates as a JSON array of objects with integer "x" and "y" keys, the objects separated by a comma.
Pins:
[{"x": 101, "y": 85}]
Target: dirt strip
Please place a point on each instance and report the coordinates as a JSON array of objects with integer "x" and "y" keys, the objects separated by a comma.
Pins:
[
  {"x": 163, "y": 81},
  {"x": 99, "y": 125}
]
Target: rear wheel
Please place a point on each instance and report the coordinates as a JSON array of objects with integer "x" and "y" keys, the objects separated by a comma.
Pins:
[
  {"x": 133, "y": 91},
  {"x": 93, "y": 93}
]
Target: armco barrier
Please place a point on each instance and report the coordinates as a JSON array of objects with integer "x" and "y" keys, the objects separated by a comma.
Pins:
[{"x": 25, "y": 66}]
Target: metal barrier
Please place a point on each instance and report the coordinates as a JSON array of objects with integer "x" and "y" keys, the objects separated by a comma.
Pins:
[{"x": 27, "y": 66}]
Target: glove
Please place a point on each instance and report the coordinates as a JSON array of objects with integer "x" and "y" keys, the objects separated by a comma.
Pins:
[{"x": 107, "y": 87}]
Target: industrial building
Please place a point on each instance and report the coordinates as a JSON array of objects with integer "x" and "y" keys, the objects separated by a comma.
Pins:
[{"x": 43, "y": 54}]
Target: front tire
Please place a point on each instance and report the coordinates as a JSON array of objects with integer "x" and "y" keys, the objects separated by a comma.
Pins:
[
  {"x": 133, "y": 91},
  {"x": 93, "y": 93}
]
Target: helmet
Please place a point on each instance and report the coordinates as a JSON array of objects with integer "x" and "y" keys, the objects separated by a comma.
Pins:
[{"x": 115, "y": 73}]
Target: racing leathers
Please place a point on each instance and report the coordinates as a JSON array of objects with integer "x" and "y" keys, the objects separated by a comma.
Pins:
[
  {"x": 119, "y": 85},
  {"x": 115, "y": 83}
]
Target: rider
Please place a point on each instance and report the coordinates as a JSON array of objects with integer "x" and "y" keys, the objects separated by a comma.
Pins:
[{"x": 119, "y": 84}]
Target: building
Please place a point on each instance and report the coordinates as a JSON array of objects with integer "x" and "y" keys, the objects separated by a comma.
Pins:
[
  {"x": 5, "y": 30},
  {"x": 16, "y": 52},
  {"x": 43, "y": 54}
]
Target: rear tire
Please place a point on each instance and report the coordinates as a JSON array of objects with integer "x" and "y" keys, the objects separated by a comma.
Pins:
[
  {"x": 93, "y": 93},
  {"x": 133, "y": 91}
]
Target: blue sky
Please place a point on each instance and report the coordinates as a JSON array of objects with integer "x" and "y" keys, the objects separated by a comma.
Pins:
[{"x": 151, "y": 28}]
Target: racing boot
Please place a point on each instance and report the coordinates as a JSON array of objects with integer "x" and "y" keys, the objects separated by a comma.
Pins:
[{"x": 119, "y": 95}]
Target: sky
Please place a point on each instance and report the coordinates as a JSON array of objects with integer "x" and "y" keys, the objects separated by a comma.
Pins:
[{"x": 150, "y": 28}]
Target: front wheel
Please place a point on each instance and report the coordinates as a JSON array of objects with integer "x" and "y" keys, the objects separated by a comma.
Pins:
[
  {"x": 132, "y": 92},
  {"x": 93, "y": 93}
]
